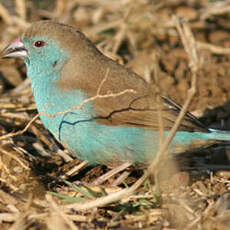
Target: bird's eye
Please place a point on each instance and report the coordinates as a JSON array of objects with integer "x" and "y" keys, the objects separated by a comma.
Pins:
[{"x": 39, "y": 44}]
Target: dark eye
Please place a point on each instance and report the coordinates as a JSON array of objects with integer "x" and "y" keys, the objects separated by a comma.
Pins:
[{"x": 39, "y": 44}]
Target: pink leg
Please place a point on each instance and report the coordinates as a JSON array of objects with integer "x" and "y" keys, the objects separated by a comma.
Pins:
[
  {"x": 120, "y": 179},
  {"x": 112, "y": 172}
]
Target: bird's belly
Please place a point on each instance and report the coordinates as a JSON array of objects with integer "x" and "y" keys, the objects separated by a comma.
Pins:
[
  {"x": 99, "y": 143},
  {"x": 102, "y": 144},
  {"x": 81, "y": 133}
]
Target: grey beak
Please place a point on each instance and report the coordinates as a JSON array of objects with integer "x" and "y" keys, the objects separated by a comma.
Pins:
[{"x": 14, "y": 49}]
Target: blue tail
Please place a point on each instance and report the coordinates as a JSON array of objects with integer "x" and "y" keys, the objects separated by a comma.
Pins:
[
  {"x": 222, "y": 135},
  {"x": 185, "y": 137}
]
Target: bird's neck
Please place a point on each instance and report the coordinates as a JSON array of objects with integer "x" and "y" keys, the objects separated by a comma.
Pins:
[
  {"x": 43, "y": 76},
  {"x": 47, "y": 92}
]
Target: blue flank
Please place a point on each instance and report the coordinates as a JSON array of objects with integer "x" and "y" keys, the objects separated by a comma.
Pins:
[{"x": 78, "y": 130}]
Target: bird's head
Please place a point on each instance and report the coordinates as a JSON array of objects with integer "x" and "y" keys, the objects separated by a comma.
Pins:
[{"x": 46, "y": 46}]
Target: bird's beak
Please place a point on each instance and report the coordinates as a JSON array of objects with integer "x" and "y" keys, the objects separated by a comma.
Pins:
[{"x": 14, "y": 49}]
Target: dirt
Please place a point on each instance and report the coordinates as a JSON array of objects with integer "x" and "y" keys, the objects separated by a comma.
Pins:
[{"x": 195, "y": 195}]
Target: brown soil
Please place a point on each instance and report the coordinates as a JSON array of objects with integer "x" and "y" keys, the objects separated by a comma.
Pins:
[{"x": 196, "y": 195}]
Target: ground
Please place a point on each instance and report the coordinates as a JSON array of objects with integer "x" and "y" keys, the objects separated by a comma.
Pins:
[{"x": 192, "y": 189}]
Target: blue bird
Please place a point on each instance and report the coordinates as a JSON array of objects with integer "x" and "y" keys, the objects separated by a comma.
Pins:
[{"x": 116, "y": 127}]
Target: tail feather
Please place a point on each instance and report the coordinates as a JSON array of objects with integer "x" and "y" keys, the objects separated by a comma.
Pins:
[{"x": 222, "y": 135}]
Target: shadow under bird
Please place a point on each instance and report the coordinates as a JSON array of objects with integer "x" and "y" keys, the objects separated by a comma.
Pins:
[{"x": 66, "y": 69}]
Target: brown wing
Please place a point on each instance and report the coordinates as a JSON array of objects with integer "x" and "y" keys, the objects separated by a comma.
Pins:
[
  {"x": 146, "y": 117},
  {"x": 89, "y": 70},
  {"x": 138, "y": 109}
]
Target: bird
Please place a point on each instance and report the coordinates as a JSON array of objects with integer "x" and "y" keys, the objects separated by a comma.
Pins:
[{"x": 100, "y": 110}]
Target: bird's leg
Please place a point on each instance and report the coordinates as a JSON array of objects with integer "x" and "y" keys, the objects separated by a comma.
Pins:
[
  {"x": 73, "y": 171},
  {"x": 112, "y": 172},
  {"x": 121, "y": 178}
]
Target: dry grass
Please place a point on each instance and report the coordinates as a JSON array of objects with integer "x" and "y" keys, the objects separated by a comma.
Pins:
[{"x": 149, "y": 37}]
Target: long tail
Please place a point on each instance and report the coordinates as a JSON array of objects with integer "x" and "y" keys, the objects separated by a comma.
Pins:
[
  {"x": 216, "y": 134},
  {"x": 185, "y": 138}
]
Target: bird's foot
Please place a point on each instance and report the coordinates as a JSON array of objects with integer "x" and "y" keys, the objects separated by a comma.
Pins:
[{"x": 112, "y": 172}]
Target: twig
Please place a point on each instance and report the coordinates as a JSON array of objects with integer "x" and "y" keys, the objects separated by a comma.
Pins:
[
  {"x": 4, "y": 14},
  {"x": 159, "y": 104},
  {"x": 214, "y": 49},
  {"x": 20, "y": 132},
  {"x": 79, "y": 107},
  {"x": 190, "y": 47},
  {"x": 74, "y": 170},
  {"x": 15, "y": 158},
  {"x": 218, "y": 8},
  {"x": 102, "y": 82},
  {"x": 99, "y": 202},
  {"x": 60, "y": 212},
  {"x": 20, "y": 8}
]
